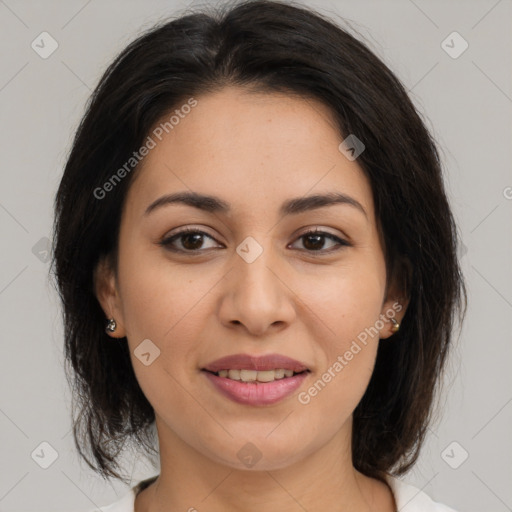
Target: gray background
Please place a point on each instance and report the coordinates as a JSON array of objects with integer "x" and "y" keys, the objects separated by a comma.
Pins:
[{"x": 467, "y": 103}]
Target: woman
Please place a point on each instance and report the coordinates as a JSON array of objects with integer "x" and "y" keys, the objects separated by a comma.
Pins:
[{"x": 257, "y": 258}]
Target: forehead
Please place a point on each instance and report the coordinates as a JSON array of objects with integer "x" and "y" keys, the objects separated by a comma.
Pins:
[{"x": 254, "y": 149}]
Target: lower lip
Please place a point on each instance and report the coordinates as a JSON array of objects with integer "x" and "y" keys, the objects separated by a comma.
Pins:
[{"x": 256, "y": 393}]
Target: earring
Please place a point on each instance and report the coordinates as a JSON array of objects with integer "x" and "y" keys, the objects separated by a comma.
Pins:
[
  {"x": 396, "y": 325},
  {"x": 111, "y": 325}
]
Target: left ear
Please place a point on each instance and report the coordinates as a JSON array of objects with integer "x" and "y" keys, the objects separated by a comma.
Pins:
[{"x": 397, "y": 297}]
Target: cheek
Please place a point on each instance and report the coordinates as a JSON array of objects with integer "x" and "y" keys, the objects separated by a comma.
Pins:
[
  {"x": 160, "y": 297},
  {"x": 165, "y": 304},
  {"x": 345, "y": 307},
  {"x": 344, "y": 301},
  {"x": 348, "y": 355}
]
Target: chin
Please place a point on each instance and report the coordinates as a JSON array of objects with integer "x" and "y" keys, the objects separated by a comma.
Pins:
[{"x": 260, "y": 452}]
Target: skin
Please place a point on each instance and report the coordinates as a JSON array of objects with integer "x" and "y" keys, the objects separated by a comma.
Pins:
[{"x": 254, "y": 151}]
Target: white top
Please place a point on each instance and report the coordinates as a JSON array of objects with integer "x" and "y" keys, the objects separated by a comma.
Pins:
[{"x": 407, "y": 497}]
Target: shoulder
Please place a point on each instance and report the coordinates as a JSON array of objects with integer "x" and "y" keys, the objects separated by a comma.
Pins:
[
  {"x": 411, "y": 499},
  {"x": 127, "y": 502}
]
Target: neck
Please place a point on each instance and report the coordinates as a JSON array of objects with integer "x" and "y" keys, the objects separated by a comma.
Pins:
[{"x": 324, "y": 480}]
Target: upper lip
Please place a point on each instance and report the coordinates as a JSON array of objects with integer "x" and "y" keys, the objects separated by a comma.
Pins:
[{"x": 259, "y": 363}]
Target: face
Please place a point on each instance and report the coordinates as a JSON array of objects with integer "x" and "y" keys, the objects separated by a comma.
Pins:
[{"x": 251, "y": 279}]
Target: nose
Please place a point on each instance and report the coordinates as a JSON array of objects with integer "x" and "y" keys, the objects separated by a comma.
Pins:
[{"x": 257, "y": 295}]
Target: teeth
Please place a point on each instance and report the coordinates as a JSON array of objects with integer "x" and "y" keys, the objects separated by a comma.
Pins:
[
  {"x": 234, "y": 374},
  {"x": 253, "y": 375},
  {"x": 248, "y": 375},
  {"x": 266, "y": 376},
  {"x": 279, "y": 374}
]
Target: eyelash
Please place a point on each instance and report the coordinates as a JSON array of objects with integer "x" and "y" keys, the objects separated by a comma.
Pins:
[{"x": 167, "y": 242}]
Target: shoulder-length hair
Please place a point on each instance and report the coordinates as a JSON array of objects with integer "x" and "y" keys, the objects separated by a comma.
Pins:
[{"x": 266, "y": 46}]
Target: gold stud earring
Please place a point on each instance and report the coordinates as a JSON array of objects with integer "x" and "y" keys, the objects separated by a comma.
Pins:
[{"x": 396, "y": 325}]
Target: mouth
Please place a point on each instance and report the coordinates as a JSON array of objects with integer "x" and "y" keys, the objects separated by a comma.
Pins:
[
  {"x": 256, "y": 380},
  {"x": 243, "y": 375}
]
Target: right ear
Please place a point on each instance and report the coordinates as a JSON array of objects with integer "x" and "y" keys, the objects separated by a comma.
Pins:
[{"x": 106, "y": 291}]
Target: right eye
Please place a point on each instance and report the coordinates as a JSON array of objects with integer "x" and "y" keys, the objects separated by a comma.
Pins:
[{"x": 190, "y": 240}]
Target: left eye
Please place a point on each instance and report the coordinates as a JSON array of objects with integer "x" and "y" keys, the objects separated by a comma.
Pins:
[
  {"x": 315, "y": 239},
  {"x": 192, "y": 239}
]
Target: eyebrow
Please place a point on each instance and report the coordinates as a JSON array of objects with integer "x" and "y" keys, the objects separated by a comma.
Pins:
[{"x": 294, "y": 206}]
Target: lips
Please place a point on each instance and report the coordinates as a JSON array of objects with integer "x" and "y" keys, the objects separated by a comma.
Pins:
[
  {"x": 258, "y": 363},
  {"x": 251, "y": 380}
]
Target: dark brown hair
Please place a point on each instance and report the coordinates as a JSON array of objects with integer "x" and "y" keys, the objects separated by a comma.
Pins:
[{"x": 267, "y": 46}]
